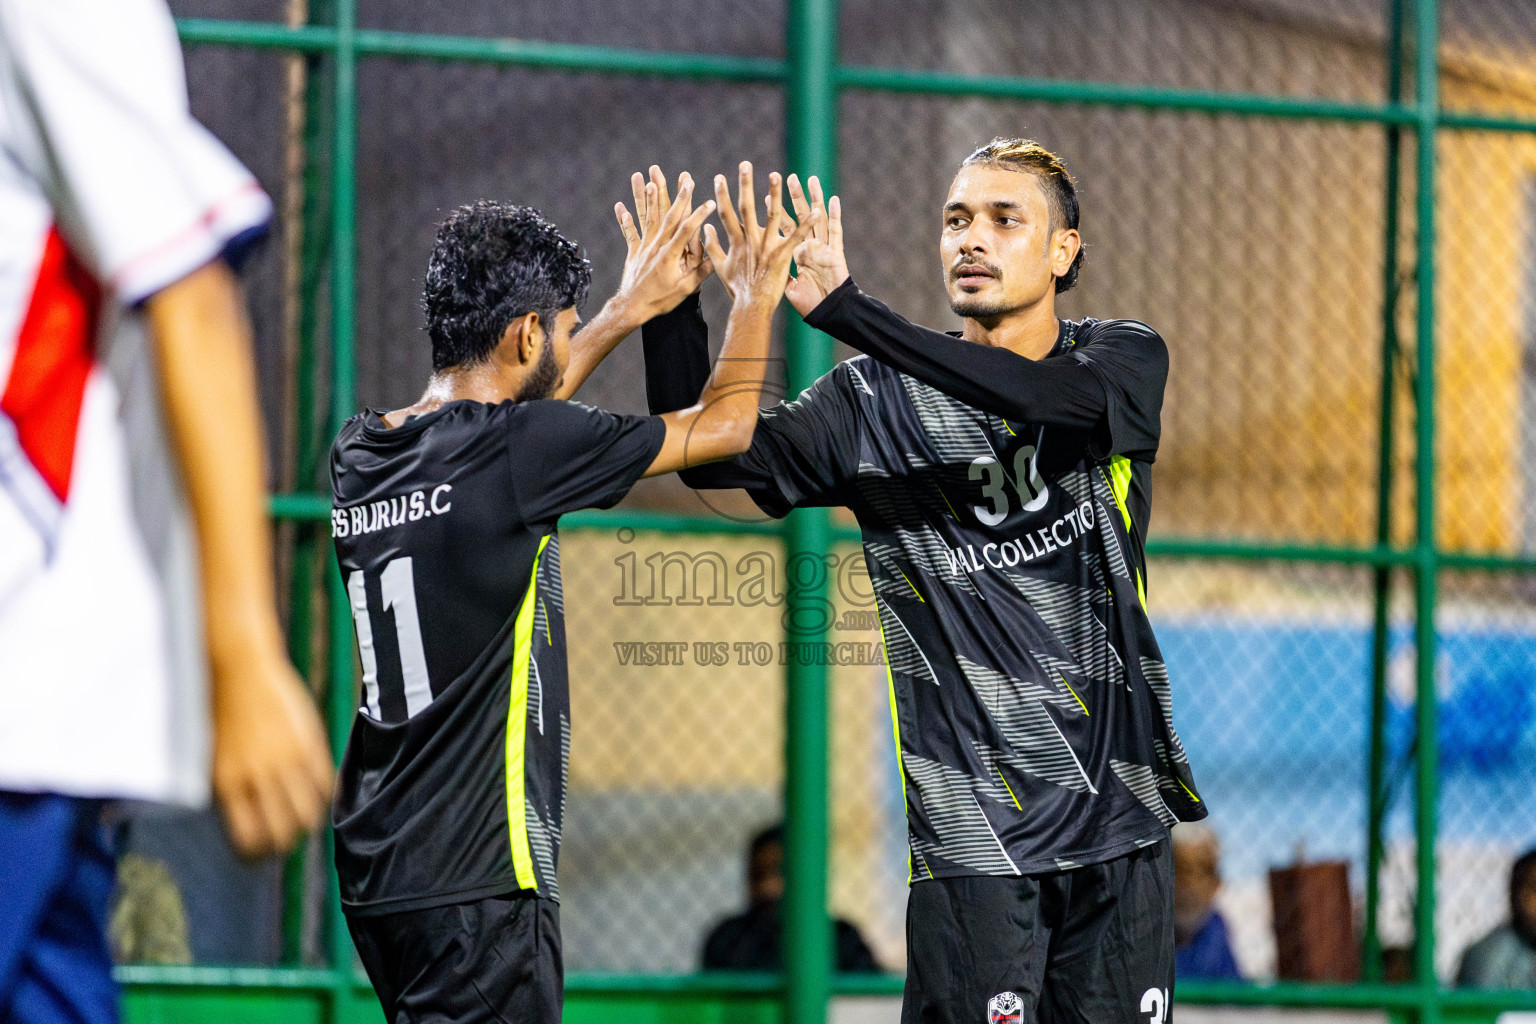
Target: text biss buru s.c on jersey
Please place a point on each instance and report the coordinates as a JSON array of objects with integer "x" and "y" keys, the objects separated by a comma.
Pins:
[{"x": 387, "y": 512}]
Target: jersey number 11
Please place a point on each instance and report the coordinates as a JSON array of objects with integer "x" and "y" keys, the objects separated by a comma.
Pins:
[{"x": 397, "y": 583}]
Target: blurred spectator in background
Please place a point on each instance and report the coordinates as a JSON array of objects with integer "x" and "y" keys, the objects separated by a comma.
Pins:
[
  {"x": 1506, "y": 956},
  {"x": 139, "y": 641},
  {"x": 1201, "y": 948},
  {"x": 750, "y": 941}
]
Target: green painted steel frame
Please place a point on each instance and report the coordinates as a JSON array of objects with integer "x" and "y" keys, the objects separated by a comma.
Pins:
[{"x": 813, "y": 80}]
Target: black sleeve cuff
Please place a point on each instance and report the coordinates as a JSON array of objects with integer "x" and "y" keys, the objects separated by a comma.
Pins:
[
  {"x": 826, "y": 310},
  {"x": 653, "y": 434}
]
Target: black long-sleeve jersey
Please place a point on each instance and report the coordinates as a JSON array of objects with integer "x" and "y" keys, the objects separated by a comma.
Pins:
[
  {"x": 452, "y": 787},
  {"x": 1003, "y": 504}
]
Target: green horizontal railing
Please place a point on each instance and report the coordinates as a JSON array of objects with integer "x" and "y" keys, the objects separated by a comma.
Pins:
[
  {"x": 573, "y": 57},
  {"x": 1295, "y": 995},
  {"x": 513, "y": 52},
  {"x": 315, "y": 507},
  {"x": 300, "y": 507}
]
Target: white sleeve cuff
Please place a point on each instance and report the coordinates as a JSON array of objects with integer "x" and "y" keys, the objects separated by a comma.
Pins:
[{"x": 193, "y": 246}]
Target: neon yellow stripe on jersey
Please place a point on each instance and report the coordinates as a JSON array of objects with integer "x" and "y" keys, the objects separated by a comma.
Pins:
[
  {"x": 1120, "y": 483},
  {"x": 1009, "y": 789},
  {"x": 901, "y": 769},
  {"x": 517, "y": 730},
  {"x": 1074, "y": 696},
  {"x": 913, "y": 586},
  {"x": 946, "y": 502}
]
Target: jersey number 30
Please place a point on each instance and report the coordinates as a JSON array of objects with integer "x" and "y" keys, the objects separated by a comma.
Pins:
[
  {"x": 397, "y": 584},
  {"x": 1026, "y": 480}
]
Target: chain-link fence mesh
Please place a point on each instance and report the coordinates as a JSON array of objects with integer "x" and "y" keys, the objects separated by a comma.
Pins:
[
  {"x": 1257, "y": 247},
  {"x": 744, "y": 30},
  {"x": 1487, "y": 731},
  {"x": 1314, "y": 48},
  {"x": 1272, "y": 309},
  {"x": 1273, "y": 665},
  {"x": 1485, "y": 304},
  {"x": 677, "y": 750},
  {"x": 1485, "y": 56},
  {"x": 531, "y": 137}
]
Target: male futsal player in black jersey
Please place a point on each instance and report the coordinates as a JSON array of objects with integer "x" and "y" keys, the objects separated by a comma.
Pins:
[
  {"x": 452, "y": 789},
  {"x": 1001, "y": 481}
]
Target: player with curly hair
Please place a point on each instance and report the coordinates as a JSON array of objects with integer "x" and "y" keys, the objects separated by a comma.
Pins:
[{"x": 451, "y": 794}]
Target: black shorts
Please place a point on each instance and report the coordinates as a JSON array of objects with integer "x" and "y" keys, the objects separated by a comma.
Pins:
[
  {"x": 490, "y": 960},
  {"x": 1091, "y": 945}
]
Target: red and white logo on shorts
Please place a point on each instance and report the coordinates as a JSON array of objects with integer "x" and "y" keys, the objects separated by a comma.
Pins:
[{"x": 1005, "y": 1008}]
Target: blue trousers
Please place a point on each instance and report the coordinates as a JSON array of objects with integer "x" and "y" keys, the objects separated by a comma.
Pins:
[{"x": 56, "y": 874}]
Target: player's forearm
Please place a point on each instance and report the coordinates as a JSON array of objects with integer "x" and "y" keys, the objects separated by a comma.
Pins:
[
  {"x": 676, "y": 346},
  {"x": 271, "y": 769},
  {"x": 591, "y": 345},
  {"x": 1057, "y": 390},
  {"x": 208, "y": 386}
]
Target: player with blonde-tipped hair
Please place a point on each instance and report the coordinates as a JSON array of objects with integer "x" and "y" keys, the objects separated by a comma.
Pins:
[{"x": 1000, "y": 476}]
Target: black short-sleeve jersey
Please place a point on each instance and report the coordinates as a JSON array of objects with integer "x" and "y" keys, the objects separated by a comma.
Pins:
[{"x": 452, "y": 786}]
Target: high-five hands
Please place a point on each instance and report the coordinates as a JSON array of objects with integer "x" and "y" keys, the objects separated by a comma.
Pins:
[
  {"x": 756, "y": 269},
  {"x": 819, "y": 259},
  {"x": 668, "y": 258},
  {"x": 652, "y": 204},
  {"x": 664, "y": 262}
]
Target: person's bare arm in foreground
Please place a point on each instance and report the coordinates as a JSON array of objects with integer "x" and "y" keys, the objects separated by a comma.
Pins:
[{"x": 271, "y": 765}]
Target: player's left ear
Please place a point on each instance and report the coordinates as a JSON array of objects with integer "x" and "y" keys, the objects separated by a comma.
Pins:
[{"x": 1064, "y": 248}]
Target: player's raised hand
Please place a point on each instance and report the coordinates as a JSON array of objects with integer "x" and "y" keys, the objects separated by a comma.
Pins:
[
  {"x": 664, "y": 262},
  {"x": 694, "y": 262},
  {"x": 819, "y": 259},
  {"x": 755, "y": 269}
]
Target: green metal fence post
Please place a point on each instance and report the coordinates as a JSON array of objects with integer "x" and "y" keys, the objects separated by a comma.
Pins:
[
  {"x": 307, "y": 562},
  {"x": 1385, "y": 460},
  {"x": 1427, "y": 99},
  {"x": 343, "y": 400},
  {"x": 811, "y": 148}
]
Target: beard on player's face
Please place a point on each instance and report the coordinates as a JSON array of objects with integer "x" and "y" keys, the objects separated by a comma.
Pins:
[
  {"x": 973, "y": 299},
  {"x": 997, "y": 299},
  {"x": 1007, "y": 293},
  {"x": 977, "y": 307},
  {"x": 544, "y": 378},
  {"x": 998, "y": 283}
]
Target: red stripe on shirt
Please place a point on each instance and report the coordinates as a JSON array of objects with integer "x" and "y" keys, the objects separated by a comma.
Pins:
[{"x": 53, "y": 359}]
